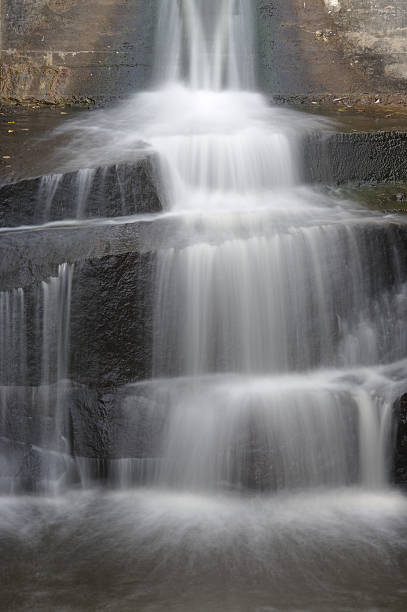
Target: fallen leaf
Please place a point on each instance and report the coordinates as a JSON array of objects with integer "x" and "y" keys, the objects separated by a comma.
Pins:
[
  {"x": 6, "y": 156},
  {"x": 11, "y": 131}
]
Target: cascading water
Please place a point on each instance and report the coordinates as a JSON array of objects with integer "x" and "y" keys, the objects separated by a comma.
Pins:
[
  {"x": 260, "y": 290},
  {"x": 208, "y": 45},
  {"x": 262, "y": 477},
  {"x": 40, "y": 389}
]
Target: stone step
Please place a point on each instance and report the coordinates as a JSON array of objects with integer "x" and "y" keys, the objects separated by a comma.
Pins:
[
  {"x": 355, "y": 157},
  {"x": 110, "y": 191},
  {"x": 133, "y": 188},
  {"x": 111, "y": 300},
  {"x": 118, "y": 432}
]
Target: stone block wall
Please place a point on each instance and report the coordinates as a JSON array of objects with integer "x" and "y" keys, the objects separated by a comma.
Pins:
[{"x": 74, "y": 50}]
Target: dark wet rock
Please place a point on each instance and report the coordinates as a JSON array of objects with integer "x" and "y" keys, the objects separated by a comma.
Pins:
[
  {"x": 371, "y": 157},
  {"x": 25, "y": 468},
  {"x": 28, "y": 257},
  {"x": 112, "y": 295},
  {"x": 112, "y": 191},
  {"x": 96, "y": 428},
  {"x": 113, "y": 433},
  {"x": 111, "y": 320},
  {"x": 400, "y": 455},
  {"x": 115, "y": 423},
  {"x": 110, "y": 331},
  {"x": 37, "y": 416}
]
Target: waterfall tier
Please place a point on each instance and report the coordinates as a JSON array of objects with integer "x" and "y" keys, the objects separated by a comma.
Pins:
[{"x": 256, "y": 280}]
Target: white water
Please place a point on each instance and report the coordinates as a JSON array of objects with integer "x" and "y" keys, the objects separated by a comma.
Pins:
[
  {"x": 276, "y": 286},
  {"x": 266, "y": 284},
  {"x": 35, "y": 325},
  {"x": 264, "y": 278}
]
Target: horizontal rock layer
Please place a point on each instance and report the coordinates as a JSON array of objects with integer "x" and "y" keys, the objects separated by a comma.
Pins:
[
  {"x": 131, "y": 188},
  {"x": 371, "y": 157},
  {"x": 121, "y": 189}
]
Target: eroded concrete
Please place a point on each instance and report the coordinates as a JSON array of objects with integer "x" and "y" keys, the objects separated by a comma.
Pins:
[
  {"x": 316, "y": 52},
  {"x": 374, "y": 35},
  {"x": 57, "y": 51}
]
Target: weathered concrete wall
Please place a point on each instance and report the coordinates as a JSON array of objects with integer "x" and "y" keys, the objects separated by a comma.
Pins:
[
  {"x": 93, "y": 50},
  {"x": 374, "y": 33},
  {"x": 321, "y": 50},
  {"x": 300, "y": 55}
]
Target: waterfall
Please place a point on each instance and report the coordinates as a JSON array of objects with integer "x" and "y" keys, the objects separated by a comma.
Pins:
[
  {"x": 259, "y": 319},
  {"x": 34, "y": 370},
  {"x": 246, "y": 455},
  {"x": 278, "y": 309},
  {"x": 207, "y": 44}
]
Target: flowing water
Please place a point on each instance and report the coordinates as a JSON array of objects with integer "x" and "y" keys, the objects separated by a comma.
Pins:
[{"x": 279, "y": 349}]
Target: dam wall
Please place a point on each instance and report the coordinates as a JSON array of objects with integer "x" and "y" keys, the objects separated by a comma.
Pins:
[
  {"x": 66, "y": 51},
  {"x": 55, "y": 51}
]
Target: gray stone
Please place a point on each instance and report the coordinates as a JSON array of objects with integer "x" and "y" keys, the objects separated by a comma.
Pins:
[
  {"x": 111, "y": 320},
  {"x": 122, "y": 189},
  {"x": 371, "y": 157},
  {"x": 400, "y": 438},
  {"x": 67, "y": 50}
]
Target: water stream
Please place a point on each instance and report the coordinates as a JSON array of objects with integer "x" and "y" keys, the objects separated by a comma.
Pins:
[{"x": 279, "y": 349}]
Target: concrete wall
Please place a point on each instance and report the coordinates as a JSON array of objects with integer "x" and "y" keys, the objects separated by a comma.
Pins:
[
  {"x": 374, "y": 33},
  {"x": 319, "y": 50},
  {"x": 56, "y": 50},
  {"x": 75, "y": 49},
  {"x": 301, "y": 56}
]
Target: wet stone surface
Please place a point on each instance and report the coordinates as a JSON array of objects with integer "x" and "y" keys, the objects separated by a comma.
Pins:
[
  {"x": 400, "y": 459},
  {"x": 111, "y": 345},
  {"x": 110, "y": 324},
  {"x": 122, "y": 189},
  {"x": 376, "y": 157},
  {"x": 28, "y": 146},
  {"x": 111, "y": 320}
]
